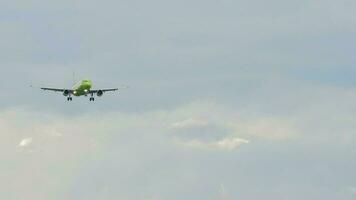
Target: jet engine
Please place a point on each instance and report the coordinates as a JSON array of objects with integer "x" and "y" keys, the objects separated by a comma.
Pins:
[
  {"x": 66, "y": 92},
  {"x": 100, "y": 93}
]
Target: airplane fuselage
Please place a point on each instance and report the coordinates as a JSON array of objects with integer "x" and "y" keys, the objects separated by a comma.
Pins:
[{"x": 82, "y": 88}]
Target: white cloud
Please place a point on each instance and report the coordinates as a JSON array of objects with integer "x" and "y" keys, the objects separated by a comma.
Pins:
[
  {"x": 222, "y": 190},
  {"x": 228, "y": 144},
  {"x": 352, "y": 189},
  {"x": 75, "y": 140},
  {"x": 189, "y": 123},
  {"x": 276, "y": 128},
  {"x": 25, "y": 142}
]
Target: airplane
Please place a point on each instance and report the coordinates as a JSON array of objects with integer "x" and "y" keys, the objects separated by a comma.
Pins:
[{"x": 82, "y": 88}]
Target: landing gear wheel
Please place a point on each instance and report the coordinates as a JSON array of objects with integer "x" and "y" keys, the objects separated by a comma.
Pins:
[
  {"x": 91, "y": 99},
  {"x": 69, "y": 99}
]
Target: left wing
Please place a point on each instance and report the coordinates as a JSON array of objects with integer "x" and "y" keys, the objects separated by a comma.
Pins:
[{"x": 103, "y": 90}]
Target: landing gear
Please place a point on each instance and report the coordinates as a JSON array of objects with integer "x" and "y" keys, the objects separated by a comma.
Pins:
[
  {"x": 69, "y": 99},
  {"x": 92, "y": 97}
]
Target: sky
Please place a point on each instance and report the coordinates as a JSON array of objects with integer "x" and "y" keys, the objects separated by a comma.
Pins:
[{"x": 228, "y": 99}]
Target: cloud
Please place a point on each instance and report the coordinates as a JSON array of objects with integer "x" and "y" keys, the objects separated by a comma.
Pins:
[
  {"x": 275, "y": 128},
  {"x": 125, "y": 143},
  {"x": 189, "y": 123},
  {"x": 205, "y": 124},
  {"x": 352, "y": 189},
  {"x": 25, "y": 142},
  {"x": 228, "y": 144},
  {"x": 222, "y": 190}
]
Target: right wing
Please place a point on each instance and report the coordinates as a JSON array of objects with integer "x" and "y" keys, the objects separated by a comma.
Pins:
[{"x": 56, "y": 89}]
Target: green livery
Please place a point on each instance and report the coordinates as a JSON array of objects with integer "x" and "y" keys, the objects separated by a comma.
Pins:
[{"x": 82, "y": 88}]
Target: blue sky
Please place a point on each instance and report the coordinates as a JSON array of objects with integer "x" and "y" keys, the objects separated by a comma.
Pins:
[{"x": 227, "y": 100}]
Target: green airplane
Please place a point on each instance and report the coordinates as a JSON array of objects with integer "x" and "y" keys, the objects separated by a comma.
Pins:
[{"x": 82, "y": 88}]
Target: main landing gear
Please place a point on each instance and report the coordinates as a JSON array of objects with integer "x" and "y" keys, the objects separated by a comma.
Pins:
[
  {"x": 69, "y": 99},
  {"x": 92, "y": 97}
]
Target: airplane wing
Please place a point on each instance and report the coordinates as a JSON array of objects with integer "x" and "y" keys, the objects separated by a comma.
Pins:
[
  {"x": 107, "y": 90},
  {"x": 103, "y": 90},
  {"x": 56, "y": 89}
]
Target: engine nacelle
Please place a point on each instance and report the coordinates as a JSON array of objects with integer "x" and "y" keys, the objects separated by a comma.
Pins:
[
  {"x": 66, "y": 93},
  {"x": 100, "y": 93}
]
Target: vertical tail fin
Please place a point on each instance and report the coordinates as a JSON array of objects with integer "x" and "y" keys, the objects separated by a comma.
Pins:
[{"x": 73, "y": 78}]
